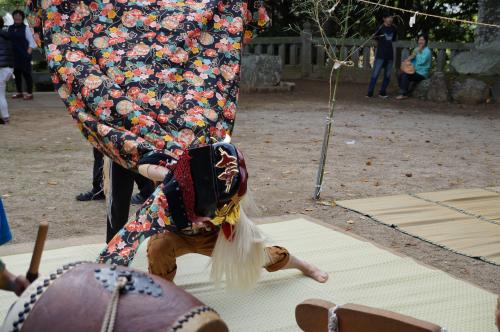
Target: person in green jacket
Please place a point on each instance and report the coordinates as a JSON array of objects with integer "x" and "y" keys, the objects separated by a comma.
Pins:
[{"x": 421, "y": 59}]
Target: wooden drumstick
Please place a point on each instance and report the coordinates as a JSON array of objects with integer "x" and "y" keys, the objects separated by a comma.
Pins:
[{"x": 37, "y": 251}]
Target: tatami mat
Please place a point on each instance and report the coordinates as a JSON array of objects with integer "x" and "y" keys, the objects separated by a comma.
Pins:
[
  {"x": 466, "y": 221},
  {"x": 359, "y": 272}
]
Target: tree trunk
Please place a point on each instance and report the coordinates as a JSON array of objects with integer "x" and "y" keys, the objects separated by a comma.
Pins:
[{"x": 488, "y": 38}]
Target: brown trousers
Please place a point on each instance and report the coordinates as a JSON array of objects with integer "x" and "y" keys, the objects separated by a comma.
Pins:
[{"x": 164, "y": 248}]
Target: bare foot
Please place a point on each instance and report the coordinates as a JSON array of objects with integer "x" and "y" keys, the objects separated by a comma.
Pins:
[{"x": 307, "y": 269}]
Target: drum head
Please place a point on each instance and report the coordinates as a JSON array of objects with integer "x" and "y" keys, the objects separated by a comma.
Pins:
[{"x": 75, "y": 298}]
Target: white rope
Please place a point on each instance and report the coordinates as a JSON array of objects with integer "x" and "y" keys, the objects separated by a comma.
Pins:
[
  {"x": 333, "y": 322},
  {"x": 110, "y": 316},
  {"x": 377, "y": 4}
]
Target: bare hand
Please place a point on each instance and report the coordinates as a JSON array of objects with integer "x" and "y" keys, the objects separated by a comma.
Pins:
[
  {"x": 153, "y": 172},
  {"x": 21, "y": 283}
]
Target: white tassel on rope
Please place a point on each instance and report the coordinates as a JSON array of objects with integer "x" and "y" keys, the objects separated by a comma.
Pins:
[
  {"x": 239, "y": 262},
  {"x": 413, "y": 19}
]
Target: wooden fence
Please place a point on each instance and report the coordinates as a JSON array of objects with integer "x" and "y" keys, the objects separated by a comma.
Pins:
[{"x": 305, "y": 56}]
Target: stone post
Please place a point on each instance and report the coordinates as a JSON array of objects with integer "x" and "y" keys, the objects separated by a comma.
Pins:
[
  {"x": 484, "y": 59},
  {"x": 306, "y": 50},
  {"x": 486, "y": 38}
]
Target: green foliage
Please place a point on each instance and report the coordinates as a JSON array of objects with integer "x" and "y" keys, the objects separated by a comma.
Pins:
[
  {"x": 366, "y": 18},
  {"x": 7, "y": 6}
]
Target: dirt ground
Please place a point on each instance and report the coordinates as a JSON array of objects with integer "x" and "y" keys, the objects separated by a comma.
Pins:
[{"x": 45, "y": 162}]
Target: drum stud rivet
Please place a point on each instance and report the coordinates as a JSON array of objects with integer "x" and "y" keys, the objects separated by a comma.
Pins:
[
  {"x": 97, "y": 270},
  {"x": 46, "y": 282},
  {"x": 33, "y": 300},
  {"x": 21, "y": 314},
  {"x": 26, "y": 310},
  {"x": 21, "y": 319},
  {"x": 65, "y": 267},
  {"x": 149, "y": 292},
  {"x": 26, "y": 304},
  {"x": 15, "y": 329},
  {"x": 52, "y": 276},
  {"x": 141, "y": 290},
  {"x": 15, "y": 323},
  {"x": 39, "y": 287},
  {"x": 59, "y": 271},
  {"x": 33, "y": 295},
  {"x": 39, "y": 291}
]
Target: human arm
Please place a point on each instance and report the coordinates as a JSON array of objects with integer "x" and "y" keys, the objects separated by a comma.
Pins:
[
  {"x": 378, "y": 33},
  {"x": 423, "y": 58},
  {"x": 10, "y": 282},
  {"x": 412, "y": 55},
  {"x": 5, "y": 34},
  {"x": 31, "y": 41},
  {"x": 153, "y": 217}
]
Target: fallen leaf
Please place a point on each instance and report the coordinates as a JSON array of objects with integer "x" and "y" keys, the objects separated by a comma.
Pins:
[
  {"x": 350, "y": 222},
  {"x": 369, "y": 163},
  {"x": 308, "y": 209},
  {"x": 53, "y": 183},
  {"x": 409, "y": 175}
]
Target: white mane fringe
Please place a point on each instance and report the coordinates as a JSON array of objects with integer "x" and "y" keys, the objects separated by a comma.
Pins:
[{"x": 239, "y": 262}]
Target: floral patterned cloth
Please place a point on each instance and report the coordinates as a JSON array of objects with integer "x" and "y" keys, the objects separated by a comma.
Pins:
[{"x": 147, "y": 76}]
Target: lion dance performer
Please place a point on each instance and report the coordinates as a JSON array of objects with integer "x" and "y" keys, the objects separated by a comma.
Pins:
[{"x": 153, "y": 84}]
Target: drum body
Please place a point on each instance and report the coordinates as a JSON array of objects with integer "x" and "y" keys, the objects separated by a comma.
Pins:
[{"x": 75, "y": 299}]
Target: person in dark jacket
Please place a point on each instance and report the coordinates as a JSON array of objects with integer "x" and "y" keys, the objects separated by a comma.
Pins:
[
  {"x": 23, "y": 44},
  {"x": 385, "y": 35},
  {"x": 6, "y": 68}
]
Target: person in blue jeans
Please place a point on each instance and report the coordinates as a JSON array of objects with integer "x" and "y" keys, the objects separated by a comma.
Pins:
[
  {"x": 385, "y": 35},
  {"x": 421, "y": 59}
]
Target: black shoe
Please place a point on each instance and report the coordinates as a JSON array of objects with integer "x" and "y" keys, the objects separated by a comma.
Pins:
[
  {"x": 369, "y": 95},
  {"x": 138, "y": 199},
  {"x": 90, "y": 196},
  {"x": 383, "y": 95}
]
